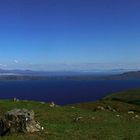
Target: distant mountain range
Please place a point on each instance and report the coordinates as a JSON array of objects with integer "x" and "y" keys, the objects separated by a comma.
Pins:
[
  {"x": 48, "y": 73},
  {"x": 59, "y": 73},
  {"x": 39, "y": 75},
  {"x": 134, "y": 75}
]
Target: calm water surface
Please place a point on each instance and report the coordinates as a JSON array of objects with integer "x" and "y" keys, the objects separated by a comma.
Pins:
[{"x": 63, "y": 91}]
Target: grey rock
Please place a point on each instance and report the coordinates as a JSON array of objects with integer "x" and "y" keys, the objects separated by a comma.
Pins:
[
  {"x": 16, "y": 100},
  {"x": 52, "y": 104},
  {"x": 19, "y": 120},
  {"x": 100, "y": 108}
]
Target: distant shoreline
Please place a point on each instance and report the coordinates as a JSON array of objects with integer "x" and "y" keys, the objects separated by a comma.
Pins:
[{"x": 123, "y": 76}]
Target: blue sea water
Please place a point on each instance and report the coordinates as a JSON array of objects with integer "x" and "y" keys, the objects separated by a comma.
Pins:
[{"x": 63, "y": 91}]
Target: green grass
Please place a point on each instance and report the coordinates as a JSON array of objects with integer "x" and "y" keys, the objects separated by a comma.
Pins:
[
  {"x": 60, "y": 124},
  {"x": 130, "y": 96}
]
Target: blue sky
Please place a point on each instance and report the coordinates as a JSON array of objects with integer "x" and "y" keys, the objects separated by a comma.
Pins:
[{"x": 69, "y": 34}]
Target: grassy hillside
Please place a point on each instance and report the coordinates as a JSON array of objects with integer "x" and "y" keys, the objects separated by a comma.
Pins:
[
  {"x": 130, "y": 96},
  {"x": 103, "y": 120}
]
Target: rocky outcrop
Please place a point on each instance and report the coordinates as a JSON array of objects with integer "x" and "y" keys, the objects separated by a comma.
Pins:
[{"x": 19, "y": 120}]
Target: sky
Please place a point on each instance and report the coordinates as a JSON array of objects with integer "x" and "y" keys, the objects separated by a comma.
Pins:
[{"x": 69, "y": 34}]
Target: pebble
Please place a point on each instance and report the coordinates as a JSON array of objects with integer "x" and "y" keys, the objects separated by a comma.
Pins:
[
  {"x": 118, "y": 115},
  {"x": 130, "y": 112}
]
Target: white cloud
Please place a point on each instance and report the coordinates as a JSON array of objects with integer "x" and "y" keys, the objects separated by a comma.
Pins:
[
  {"x": 3, "y": 65},
  {"x": 16, "y": 61}
]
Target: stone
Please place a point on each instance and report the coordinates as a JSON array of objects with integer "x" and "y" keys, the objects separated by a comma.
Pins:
[
  {"x": 114, "y": 110},
  {"x": 118, "y": 115},
  {"x": 101, "y": 108},
  {"x": 78, "y": 119},
  {"x": 19, "y": 120},
  {"x": 52, "y": 104},
  {"x": 42, "y": 128},
  {"x": 42, "y": 102},
  {"x": 137, "y": 116},
  {"x": 93, "y": 118},
  {"x": 131, "y": 112},
  {"x": 16, "y": 100}
]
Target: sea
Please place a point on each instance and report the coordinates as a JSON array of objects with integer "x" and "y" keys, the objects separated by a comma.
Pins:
[{"x": 64, "y": 92}]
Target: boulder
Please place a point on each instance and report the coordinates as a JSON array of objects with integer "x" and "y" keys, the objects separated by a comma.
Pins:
[
  {"x": 131, "y": 112},
  {"x": 19, "y": 120},
  {"x": 16, "y": 100},
  {"x": 77, "y": 119},
  {"x": 52, "y": 104},
  {"x": 100, "y": 108}
]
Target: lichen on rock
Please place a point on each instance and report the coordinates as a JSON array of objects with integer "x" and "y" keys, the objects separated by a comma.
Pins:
[{"x": 19, "y": 120}]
